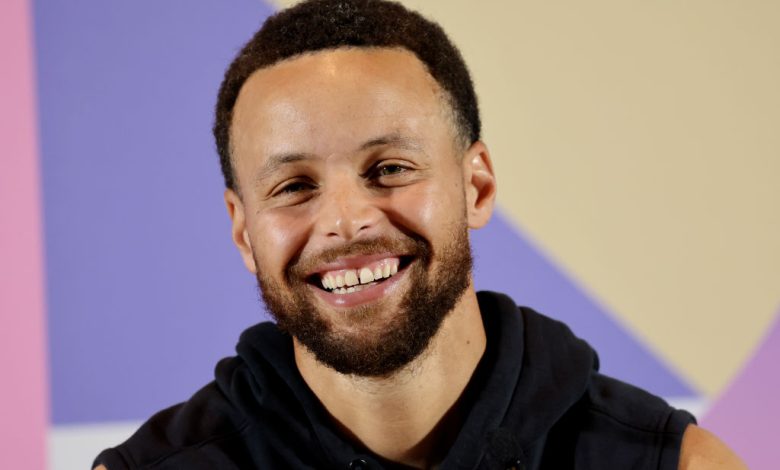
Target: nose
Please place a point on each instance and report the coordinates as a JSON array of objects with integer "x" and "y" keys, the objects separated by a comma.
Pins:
[{"x": 348, "y": 210}]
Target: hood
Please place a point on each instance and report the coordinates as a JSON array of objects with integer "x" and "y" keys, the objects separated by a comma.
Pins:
[{"x": 534, "y": 370}]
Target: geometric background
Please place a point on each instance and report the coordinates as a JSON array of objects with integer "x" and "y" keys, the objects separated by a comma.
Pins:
[{"x": 637, "y": 157}]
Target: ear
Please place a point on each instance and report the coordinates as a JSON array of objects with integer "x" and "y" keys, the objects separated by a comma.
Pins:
[
  {"x": 480, "y": 184},
  {"x": 238, "y": 229}
]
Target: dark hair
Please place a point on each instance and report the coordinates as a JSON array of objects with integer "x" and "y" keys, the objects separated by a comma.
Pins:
[{"x": 315, "y": 25}]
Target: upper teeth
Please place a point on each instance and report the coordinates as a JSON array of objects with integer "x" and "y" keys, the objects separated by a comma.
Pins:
[{"x": 364, "y": 275}]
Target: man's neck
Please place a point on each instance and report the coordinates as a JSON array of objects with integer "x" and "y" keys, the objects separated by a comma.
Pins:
[{"x": 407, "y": 418}]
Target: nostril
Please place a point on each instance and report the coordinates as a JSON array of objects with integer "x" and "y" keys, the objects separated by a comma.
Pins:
[{"x": 345, "y": 219}]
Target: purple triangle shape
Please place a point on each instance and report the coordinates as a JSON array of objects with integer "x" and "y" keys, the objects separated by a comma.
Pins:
[{"x": 507, "y": 262}]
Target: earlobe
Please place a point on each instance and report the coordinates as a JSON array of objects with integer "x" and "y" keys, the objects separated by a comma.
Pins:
[
  {"x": 480, "y": 184},
  {"x": 238, "y": 232}
]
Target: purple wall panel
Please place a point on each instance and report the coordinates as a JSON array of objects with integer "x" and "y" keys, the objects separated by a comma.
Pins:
[{"x": 145, "y": 290}]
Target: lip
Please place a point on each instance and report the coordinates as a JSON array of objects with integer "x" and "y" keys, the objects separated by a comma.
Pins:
[
  {"x": 353, "y": 262},
  {"x": 367, "y": 295}
]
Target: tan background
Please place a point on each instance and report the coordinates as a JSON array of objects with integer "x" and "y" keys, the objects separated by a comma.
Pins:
[{"x": 638, "y": 143}]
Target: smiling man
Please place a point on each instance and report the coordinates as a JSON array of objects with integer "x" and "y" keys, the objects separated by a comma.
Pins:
[{"x": 349, "y": 138}]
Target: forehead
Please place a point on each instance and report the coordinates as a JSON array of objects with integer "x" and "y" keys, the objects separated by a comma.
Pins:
[{"x": 326, "y": 99}]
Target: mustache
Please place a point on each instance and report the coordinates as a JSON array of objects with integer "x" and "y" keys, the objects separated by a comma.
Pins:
[{"x": 412, "y": 246}]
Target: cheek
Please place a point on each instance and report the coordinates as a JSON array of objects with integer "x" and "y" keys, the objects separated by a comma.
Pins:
[
  {"x": 429, "y": 209},
  {"x": 276, "y": 239}
]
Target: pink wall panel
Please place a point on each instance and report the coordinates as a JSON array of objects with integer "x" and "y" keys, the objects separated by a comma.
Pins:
[
  {"x": 23, "y": 392},
  {"x": 746, "y": 415}
]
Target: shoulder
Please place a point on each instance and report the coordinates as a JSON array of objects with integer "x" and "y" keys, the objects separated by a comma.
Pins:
[
  {"x": 702, "y": 450},
  {"x": 683, "y": 444},
  {"x": 634, "y": 407},
  {"x": 208, "y": 418},
  {"x": 617, "y": 425}
]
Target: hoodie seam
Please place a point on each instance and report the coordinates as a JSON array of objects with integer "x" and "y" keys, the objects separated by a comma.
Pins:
[{"x": 655, "y": 430}]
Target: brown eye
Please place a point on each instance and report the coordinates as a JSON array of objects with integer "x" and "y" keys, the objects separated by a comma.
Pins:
[
  {"x": 389, "y": 170},
  {"x": 294, "y": 187}
]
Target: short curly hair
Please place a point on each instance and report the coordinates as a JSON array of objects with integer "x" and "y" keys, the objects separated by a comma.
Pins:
[{"x": 316, "y": 25}]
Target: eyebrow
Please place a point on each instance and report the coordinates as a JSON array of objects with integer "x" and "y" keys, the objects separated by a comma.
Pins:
[
  {"x": 393, "y": 140},
  {"x": 280, "y": 160},
  {"x": 390, "y": 140}
]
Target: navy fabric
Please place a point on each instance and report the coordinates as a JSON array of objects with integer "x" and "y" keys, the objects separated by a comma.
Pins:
[{"x": 536, "y": 401}]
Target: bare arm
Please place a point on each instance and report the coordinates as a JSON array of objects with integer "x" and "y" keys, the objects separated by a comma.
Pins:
[{"x": 702, "y": 450}]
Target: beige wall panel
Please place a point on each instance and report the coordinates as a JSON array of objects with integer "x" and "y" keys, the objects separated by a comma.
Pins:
[{"x": 639, "y": 144}]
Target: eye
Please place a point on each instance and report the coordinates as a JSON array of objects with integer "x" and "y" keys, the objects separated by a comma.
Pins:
[
  {"x": 392, "y": 173},
  {"x": 293, "y": 187},
  {"x": 390, "y": 170}
]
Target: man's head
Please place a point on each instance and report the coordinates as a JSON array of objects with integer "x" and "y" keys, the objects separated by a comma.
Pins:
[
  {"x": 317, "y": 25},
  {"x": 357, "y": 190}
]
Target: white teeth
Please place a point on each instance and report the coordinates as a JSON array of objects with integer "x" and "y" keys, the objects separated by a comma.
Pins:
[
  {"x": 342, "y": 283},
  {"x": 347, "y": 290},
  {"x": 350, "y": 278},
  {"x": 366, "y": 276}
]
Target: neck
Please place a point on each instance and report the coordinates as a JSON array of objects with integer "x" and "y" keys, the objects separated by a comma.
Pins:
[{"x": 405, "y": 418}]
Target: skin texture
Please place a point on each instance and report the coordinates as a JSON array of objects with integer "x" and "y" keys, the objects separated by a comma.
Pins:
[
  {"x": 703, "y": 450},
  {"x": 328, "y": 197}
]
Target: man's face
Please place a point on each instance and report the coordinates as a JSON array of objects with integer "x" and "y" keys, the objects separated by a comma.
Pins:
[{"x": 353, "y": 212}]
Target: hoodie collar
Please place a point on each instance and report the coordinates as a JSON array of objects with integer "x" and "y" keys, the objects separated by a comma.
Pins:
[{"x": 533, "y": 371}]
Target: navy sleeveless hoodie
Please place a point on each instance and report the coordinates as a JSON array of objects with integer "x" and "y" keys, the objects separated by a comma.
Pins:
[{"x": 536, "y": 401}]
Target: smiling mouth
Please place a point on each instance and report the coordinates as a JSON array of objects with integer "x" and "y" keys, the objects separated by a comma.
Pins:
[{"x": 349, "y": 281}]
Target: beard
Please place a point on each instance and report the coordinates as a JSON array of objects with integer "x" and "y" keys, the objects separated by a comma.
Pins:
[{"x": 370, "y": 345}]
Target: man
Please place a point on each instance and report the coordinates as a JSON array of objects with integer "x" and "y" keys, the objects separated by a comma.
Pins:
[{"x": 349, "y": 138}]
